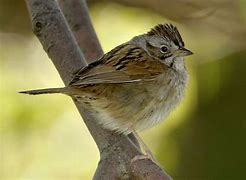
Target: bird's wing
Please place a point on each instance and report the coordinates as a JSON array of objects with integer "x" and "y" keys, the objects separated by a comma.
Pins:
[{"x": 125, "y": 63}]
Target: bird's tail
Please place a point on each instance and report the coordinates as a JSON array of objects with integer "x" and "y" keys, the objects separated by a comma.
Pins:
[{"x": 44, "y": 91}]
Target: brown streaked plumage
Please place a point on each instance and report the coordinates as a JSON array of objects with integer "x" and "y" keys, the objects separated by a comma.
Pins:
[
  {"x": 125, "y": 63},
  {"x": 135, "y": 85},
  {"x": 167, "y": 31}
]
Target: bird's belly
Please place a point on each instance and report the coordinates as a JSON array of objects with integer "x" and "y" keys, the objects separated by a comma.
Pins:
[{"x": 139, "y": 107}]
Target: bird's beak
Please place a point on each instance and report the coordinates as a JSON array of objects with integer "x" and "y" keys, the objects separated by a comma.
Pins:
[{"x": 181, "y": 52}]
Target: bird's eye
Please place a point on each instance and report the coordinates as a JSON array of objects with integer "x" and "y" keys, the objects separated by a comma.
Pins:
[{"x": 164, "y": 49}]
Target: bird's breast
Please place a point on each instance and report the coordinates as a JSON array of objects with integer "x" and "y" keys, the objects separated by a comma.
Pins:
[{"x": 167, "y": 92}]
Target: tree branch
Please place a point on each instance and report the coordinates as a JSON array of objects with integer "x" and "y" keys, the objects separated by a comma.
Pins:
[
  {"x": 52, "y": 29},
  {"x": 77, "y": 16}
]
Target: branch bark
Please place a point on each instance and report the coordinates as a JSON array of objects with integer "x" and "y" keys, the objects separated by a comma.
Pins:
[
  {"x": 59, "y": 42},
  {"x": 77, "y": 16}
]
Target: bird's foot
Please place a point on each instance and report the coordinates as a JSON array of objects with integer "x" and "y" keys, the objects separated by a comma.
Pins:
[{"x": 142, "y": 157}]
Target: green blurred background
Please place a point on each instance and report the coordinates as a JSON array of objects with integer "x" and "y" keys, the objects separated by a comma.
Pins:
[{"x": 44, "y": 137}]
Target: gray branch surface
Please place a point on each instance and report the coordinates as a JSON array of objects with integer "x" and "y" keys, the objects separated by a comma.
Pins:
[{"x": 69, "y": 40}]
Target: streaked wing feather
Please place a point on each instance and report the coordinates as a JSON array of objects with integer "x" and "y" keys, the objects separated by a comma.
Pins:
[
  {"x": 125, "y": 63},
  {"x": 108, "y": 77}
]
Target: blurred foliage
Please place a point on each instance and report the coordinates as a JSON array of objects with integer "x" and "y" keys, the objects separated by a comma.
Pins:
[
  {"x": 211, "y": 141},
  {"x": 44, "y": 136},
  {"x": 14, "y": 17},
  {"x": 219, "y": 17}
]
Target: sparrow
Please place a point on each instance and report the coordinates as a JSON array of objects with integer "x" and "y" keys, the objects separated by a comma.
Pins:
[{"x": 134, "y": 86}]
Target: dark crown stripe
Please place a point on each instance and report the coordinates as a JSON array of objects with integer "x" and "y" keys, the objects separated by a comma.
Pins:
[{"x": 167, "y": 31}]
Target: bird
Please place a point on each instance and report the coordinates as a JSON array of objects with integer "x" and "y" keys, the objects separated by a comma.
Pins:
[{"x": 136, "y": 85}]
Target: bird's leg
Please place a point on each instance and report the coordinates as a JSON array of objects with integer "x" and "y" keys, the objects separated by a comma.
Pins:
[{"x": 148, "y": 155}]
